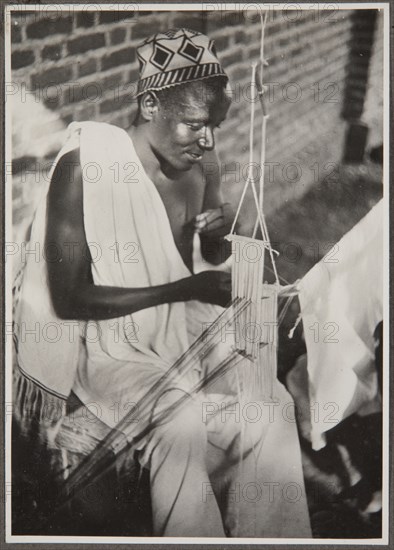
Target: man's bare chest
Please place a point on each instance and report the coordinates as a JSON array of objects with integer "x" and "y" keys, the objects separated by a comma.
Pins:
[{"x": 183, "y": 201}]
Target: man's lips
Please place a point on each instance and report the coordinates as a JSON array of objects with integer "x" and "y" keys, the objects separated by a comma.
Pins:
[{"x": 194, "y": 156}]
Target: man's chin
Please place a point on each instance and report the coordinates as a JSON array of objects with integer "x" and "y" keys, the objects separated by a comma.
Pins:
[
  {"x": 174, "y": 166},
  {"x": 182, "y": 162},
  {"x": 184, "y": 165}
]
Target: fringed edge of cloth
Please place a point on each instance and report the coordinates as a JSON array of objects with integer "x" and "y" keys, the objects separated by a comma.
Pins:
[{"x": 37, "y": 411}]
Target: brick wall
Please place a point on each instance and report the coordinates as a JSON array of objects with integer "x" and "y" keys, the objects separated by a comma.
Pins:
[
  {"x": 373, "y": 106},
  {"x": 82, "y": 66}
]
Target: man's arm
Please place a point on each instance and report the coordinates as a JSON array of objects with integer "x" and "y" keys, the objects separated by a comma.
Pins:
[
  {"x": 74, "y": 295},
  {"x": 217, "y": 216}
]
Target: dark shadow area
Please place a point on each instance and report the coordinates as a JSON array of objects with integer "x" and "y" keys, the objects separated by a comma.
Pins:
[{"x": 115, "y": 504}]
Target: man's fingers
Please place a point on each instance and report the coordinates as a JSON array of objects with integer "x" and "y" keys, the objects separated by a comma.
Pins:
[
  {"x": 208, "y": 220},
  {"x": 215, "y": 219}
]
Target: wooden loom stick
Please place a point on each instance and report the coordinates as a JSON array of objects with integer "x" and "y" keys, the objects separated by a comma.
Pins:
[{"x": 101, "y": 462}]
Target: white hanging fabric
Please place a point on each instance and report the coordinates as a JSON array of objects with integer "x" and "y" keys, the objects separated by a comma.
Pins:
[{"x": 341, "y": 300}]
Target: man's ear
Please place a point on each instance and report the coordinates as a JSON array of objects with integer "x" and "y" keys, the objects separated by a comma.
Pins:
[{"x": 149, "y": 105}]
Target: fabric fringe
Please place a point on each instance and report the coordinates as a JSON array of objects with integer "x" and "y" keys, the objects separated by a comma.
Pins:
[{"x": 37, "y": 412}]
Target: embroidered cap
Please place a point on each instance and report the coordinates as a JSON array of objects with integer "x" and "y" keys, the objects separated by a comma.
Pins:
[{"x": 174, "y": 57}]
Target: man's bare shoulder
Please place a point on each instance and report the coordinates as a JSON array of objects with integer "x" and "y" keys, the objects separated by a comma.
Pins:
[
  {"x": 66, "y": 192},
  {"x": 69, "y": 163},
  {"x": 65, "y": 222}
]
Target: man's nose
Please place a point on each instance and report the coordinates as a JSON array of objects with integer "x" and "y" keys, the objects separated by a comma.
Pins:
[{"x": 207, "y": 141}]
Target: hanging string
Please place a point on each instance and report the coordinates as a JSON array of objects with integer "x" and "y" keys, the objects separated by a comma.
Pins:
[
  {"x": 261, "y": 89},
  {"x": 251, "y": 129},
  {"x": 250, "y": 176},
  {"x": 260, "y": 94},
  {"x": 258, "y": 199},
  {"x": 260, "y": 373}
]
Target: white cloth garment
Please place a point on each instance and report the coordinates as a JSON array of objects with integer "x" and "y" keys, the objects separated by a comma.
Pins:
[
  {"x": 341, "y": 301},
  {"x": 47, "y": 348},
  {"x": 125, "y": 216}
]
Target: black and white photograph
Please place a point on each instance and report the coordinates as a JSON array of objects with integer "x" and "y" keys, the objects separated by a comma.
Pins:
[{"x": 196, "y": 245}]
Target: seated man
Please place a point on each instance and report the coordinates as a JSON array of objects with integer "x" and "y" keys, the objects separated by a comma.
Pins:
[{"x": 119, "y": 222}]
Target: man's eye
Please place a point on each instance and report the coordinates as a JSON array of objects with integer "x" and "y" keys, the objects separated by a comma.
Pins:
[{"x": 194, "y": 127}]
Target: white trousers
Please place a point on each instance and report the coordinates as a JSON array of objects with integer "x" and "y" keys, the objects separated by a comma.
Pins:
[{"x": 219, "y": 469}]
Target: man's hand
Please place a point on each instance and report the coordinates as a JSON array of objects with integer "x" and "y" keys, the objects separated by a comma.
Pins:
[
  {"x": 215, "y": 223},
  {"x": 213, "y": 287}
]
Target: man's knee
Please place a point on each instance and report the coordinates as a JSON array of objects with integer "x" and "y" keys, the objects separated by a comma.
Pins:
[
  {"x": 185, "y": 423},
  {"x": 241, "y": 425},
  {"x": 178, "y": 433},
  {"x": 179, "y": 421}
]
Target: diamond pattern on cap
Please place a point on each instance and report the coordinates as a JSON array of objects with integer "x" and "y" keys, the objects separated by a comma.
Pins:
[
  {"x": 161, "y": 57},
  {"x": 212, "y": 47},
  {"x": 141, "y": 62},
  {"x": 191, "y": 51}
]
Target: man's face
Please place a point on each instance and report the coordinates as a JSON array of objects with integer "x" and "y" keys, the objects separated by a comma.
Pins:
[{"x": 181, "y": 135}]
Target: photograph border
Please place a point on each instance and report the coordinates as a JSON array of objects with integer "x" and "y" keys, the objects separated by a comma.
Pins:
[{"x": 12, "y": 541}]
